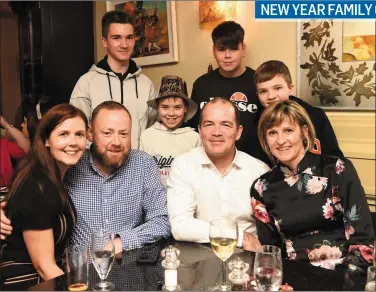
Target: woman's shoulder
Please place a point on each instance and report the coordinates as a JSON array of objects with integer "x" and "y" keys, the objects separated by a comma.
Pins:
[
  {"x": 327, "y": 160},
  {"x": 37, "y": 187}
]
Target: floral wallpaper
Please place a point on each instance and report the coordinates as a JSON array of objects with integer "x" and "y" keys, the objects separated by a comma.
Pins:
[{"x": 337, "y": 71}]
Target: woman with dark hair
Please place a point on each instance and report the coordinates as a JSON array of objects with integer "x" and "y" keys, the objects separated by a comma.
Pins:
[
  {"x": 41, "y": 212},
  {"x": 311, "y": 205}
]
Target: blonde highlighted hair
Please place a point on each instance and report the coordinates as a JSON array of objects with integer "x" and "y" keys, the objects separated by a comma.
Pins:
[{"x": 280, "y": 111}]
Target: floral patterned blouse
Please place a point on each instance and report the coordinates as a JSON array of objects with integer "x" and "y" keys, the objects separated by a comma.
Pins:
[{"x": 320, "y": 214}]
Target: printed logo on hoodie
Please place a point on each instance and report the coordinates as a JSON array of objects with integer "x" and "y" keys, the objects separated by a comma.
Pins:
[{"x": 164, "y": 163}]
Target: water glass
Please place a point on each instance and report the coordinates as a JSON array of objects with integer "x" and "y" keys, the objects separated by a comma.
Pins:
[
  {"x": 103, "y": 255},
  {"x": 268, "y": 268},
  {"x": 77, "y": 267},
  {"x": 371, "y": 279}
]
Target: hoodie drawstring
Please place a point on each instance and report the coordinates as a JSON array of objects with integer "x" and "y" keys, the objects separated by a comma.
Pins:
[
  {"x": 121, "y": 84},
  {"x": 135, "y": 80},
  {"x": 109, "y": 84}
]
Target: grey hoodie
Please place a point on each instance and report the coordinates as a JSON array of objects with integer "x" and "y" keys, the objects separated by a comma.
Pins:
[
  {"x": 133, "y": 92},
  {"x": 164, "y": 145}
]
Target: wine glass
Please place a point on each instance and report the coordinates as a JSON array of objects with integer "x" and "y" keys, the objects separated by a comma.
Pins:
[
  {"x": 223, "y": 234},
  {"x": 103, "y": 255},
  {"x": 371, "y": 279},
  {"x": 268, "y": 268}
]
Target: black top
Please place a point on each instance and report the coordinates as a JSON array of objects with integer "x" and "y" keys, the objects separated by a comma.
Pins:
[
  {"x": 324, "y": 131},
  {"x": 319, "y": 215},
  {"x": 37, "y": 206},
  {"x": 242, "y": 92}
]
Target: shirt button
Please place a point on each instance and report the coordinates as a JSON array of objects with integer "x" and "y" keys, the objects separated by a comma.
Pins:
[
  {"x": 105, "y": 200},
  {"x": 107, "y": 221}
]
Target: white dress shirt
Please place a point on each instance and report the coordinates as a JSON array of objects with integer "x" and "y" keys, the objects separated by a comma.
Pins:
[{"x": 198, "y": 193}]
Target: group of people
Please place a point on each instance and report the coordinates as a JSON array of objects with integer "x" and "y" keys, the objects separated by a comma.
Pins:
[{"x": 261, "y": 157}]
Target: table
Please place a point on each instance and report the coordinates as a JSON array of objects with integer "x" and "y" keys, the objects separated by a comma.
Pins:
[{"x": 200, "y": 269}]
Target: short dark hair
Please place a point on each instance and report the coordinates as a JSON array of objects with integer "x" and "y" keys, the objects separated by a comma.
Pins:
[
  {"x": 223, "y": 100},
  {"x": 270, "y": 69},
  {"x": 114, "y": 16},
  {"x": 228, "y": 34},
  {"x": 109, "y": 105}
]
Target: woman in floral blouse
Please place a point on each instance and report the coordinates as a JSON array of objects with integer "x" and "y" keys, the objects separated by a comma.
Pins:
[{"x": 311, "y": 205}]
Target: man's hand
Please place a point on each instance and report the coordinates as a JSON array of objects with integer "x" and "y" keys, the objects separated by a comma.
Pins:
[
  {"x": 118, "y": 248},
  {"x": 251, "y": 243},
  {"x": 118, "y": 245},
  {"x": 6, "y": 228}
]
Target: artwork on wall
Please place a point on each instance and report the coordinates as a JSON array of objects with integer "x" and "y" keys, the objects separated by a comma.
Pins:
[
  {"x": 336, "y": 64},
  {"x": 154, "y": 29},
  {"x": 216, "y": 10}
]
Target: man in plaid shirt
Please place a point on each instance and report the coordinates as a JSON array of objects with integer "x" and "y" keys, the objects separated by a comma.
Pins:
[{"x": 114, "y": 187}]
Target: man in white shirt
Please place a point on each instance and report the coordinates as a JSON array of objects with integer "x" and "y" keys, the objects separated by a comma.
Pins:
[{"x": 213, "y": 181}]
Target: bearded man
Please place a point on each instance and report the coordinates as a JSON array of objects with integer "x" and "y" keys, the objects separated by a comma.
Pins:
[{"x": 116, "y": 188}]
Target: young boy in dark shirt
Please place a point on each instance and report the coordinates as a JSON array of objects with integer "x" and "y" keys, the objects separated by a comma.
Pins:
[
  {"x": 274, "y": 83},
  {"x": 233, "y": 81}
]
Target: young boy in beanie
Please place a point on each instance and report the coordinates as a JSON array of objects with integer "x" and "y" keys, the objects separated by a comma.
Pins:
[{"x": 169, "y": 137}]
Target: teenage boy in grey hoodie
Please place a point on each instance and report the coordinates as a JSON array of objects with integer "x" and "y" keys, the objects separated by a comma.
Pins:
[
  {"x": 169, "y": 137},
  {"x": 117, "y": 77}
]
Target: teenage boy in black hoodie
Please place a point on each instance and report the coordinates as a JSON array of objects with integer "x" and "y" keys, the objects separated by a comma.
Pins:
[
  {"x": 233, "y": 81},
  {"x": 274, "y": 83}
]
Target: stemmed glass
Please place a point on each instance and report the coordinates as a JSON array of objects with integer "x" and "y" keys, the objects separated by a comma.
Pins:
[
  {"x": 103, "y": 255},
  {"x": 268, "y": 268},
  {"x": 371, "y": 279},
  {"x": 223, "y": 234}
]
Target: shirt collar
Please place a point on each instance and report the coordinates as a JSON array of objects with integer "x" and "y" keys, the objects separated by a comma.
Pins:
[
  {"x": 304, "y": 164},
  {"x": 204, "y": 159}
]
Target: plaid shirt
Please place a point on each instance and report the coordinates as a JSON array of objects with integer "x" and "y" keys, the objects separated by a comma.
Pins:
[{"x": 130, "y": 202}]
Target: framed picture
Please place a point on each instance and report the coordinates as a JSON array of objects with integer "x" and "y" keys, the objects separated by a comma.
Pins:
[
  {"x": 154, "y": 29},
  {"x": 336, "y": 64}
]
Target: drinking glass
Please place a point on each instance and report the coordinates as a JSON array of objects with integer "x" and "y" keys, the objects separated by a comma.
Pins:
[
  {"x": 371, "y": 279},
  {"x": 223, "y": 234},
  {"x": 268, "y": 268},
  {"x": 103, "y": 255},
  {"x": 77, "y": 267}
]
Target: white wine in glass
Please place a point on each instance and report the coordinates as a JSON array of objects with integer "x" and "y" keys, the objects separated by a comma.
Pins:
[
  {"x": 103, "y": 255},
  {"x": 223, "y": 234},
  {"x": 223, "y": 247}
]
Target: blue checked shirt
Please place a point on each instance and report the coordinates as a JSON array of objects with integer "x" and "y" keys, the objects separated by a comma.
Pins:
[{"x": 130, "y": 202}]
